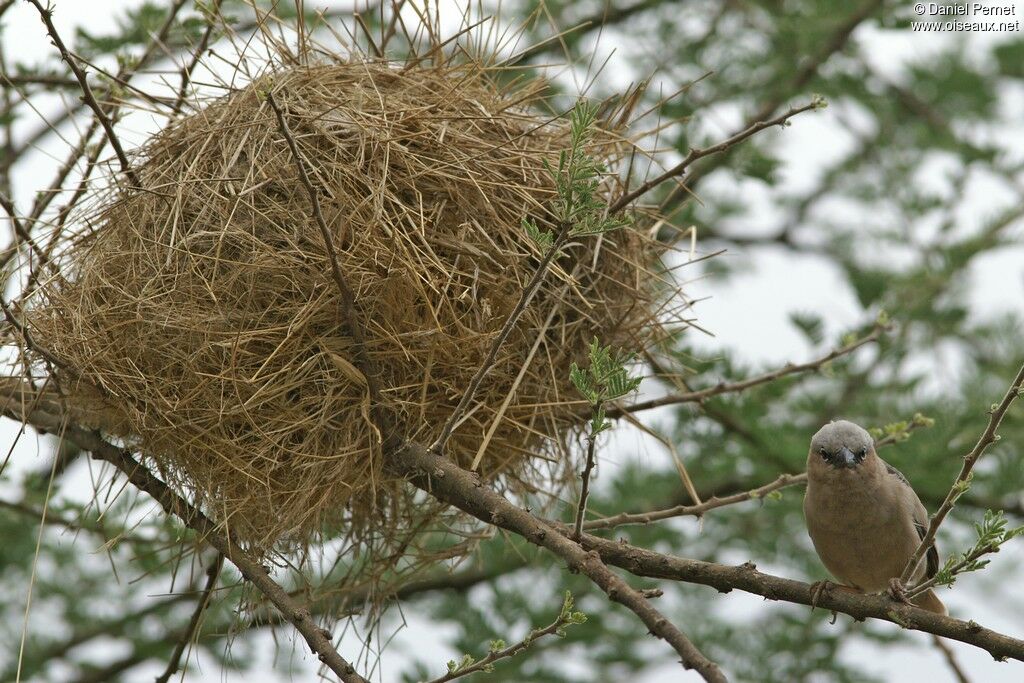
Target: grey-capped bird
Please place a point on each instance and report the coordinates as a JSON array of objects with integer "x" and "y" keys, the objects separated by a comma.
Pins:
[{"x": 863, "y": 516}]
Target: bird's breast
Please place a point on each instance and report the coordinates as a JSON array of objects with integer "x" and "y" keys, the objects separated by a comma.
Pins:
[{"x": 861, "y": 535}]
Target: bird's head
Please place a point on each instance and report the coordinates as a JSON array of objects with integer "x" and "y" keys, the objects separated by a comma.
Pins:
[{"x": 842, "y": 445}]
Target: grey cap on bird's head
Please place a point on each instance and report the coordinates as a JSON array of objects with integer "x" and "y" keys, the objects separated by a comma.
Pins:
[{"x": 842, "y": 444}]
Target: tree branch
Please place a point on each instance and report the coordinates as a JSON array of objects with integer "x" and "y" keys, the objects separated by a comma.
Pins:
[
  {"x": 212, "y": 575},
  {"x": 46, "y": 15},
  {"x": 566, "y": 616},
  {"x": 348, "y": 306},
  {"x": 506, "y": 329},
  {"x": 626, "y": 518},
  {"x": 702, "y": 395},
  {"x": 962, "y": 481},
  {"x": 318, "y": 639},
  {"x": 50, "y": 80},
  {"x": 197, "y": 54},
  {"x": 588, "y": 469},
  {"x": 804, "y": 75},
  {"x": 451, "y": 484},
  {"x": 697, "y": 154},
  {"x": 950, "y": 657},
  {"x": 718, "y": 501},
  {"x": 745, "y": 577}
]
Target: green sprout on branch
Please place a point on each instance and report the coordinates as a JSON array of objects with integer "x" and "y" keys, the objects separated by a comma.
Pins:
[
  {"x": 992, "y": 534},
  {"x": 607, "y": 379},
  {"x": 578, "y": 206},
  {"x": 898, "y": 432},
  {"x": 497, "y": 649}
]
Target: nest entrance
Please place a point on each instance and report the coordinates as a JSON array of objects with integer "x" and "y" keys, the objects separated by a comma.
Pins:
[{"x": 203, "y": 306}]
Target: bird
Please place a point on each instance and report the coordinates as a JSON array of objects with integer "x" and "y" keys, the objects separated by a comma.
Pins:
[{"x": 863, "y": 516}]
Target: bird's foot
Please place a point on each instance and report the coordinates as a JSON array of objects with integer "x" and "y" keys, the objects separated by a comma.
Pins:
[
  {"x": 817, "y": 588},
  {"x": 897, "y": 591},
  {"x": 826, "y": 586}
]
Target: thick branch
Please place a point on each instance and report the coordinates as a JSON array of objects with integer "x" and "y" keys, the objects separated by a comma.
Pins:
[
  {"x": 50, "y": 80},
  {"x": 435, "y": 474},
  {"x": 449, "y": 483},
  {"x": 746, "y": 578},
  {"x": 963, "y": 479}
]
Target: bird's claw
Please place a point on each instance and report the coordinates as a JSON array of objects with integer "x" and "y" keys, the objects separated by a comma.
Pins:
[
  {"x": 897, "y": 591},
  {"x": 817, "y": 588},
  {"x": 825, "y": 586}
]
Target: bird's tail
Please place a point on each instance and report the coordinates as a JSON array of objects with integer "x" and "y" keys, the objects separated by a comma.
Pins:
[{"x": 929, "y": 601}]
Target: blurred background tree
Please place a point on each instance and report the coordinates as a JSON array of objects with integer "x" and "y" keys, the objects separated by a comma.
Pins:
[{"x": 905, "y": 196}]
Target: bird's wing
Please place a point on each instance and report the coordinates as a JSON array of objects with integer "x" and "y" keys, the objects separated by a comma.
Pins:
[
  {"x": 896, "y": 473},
  {"x": 932, "y": 558},
  {"x": 920, "y": 523}
]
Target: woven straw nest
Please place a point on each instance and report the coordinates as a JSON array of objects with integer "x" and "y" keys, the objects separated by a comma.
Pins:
[{"x": 203, "y": 327}]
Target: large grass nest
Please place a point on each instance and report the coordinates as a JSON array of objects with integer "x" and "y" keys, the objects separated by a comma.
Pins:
[{"x": 200, "y": 314}]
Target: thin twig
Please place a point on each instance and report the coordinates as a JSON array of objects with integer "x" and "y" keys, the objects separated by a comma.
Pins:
[
  {"x": 961, "y": 482},
  {"x": 29, "y": 339},
  {"x": 701, "y": 395},
  {"x": 46, "y": 14},
  {"x": 360, "y": 357},
  {"x": 950, "y": 657},
  {"x": 506, "y": 329},
  {"x": 12, "y": 213},
  {"x": 581, "y": 509},
  {"x": 18, "y": 227},
  {"x": 504, "y": 653},
  {"x": 124, "y": 75},
  {"x": 197, "y": 54},
  {"x": 561, "y": 237},
  {"x": 962, "y": 564},
  {"x": 696, "y": 154},
  {"x": 625, "y": 518},
  {"x": 609, "y": 15},
  {"x": 783, "y": 481},
  {"x": 212, "y": 575},
  {"x": 318, "y": 639},
  {"x": 803, "y": 76}
]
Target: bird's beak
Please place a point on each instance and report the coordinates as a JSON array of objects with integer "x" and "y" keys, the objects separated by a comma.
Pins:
[{"x": 846, "y": 458}]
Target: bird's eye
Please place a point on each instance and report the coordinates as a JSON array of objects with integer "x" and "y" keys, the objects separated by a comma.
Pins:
[
  {"x": 824, "y": 453},
  {"x": 864, "y": 452}
]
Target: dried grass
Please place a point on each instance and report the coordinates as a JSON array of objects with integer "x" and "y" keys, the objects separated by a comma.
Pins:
[{"x": 200, "y": 310}]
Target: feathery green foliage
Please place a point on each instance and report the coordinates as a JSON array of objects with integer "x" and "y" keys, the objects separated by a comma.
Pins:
[{"x": 605, "y": 379}]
